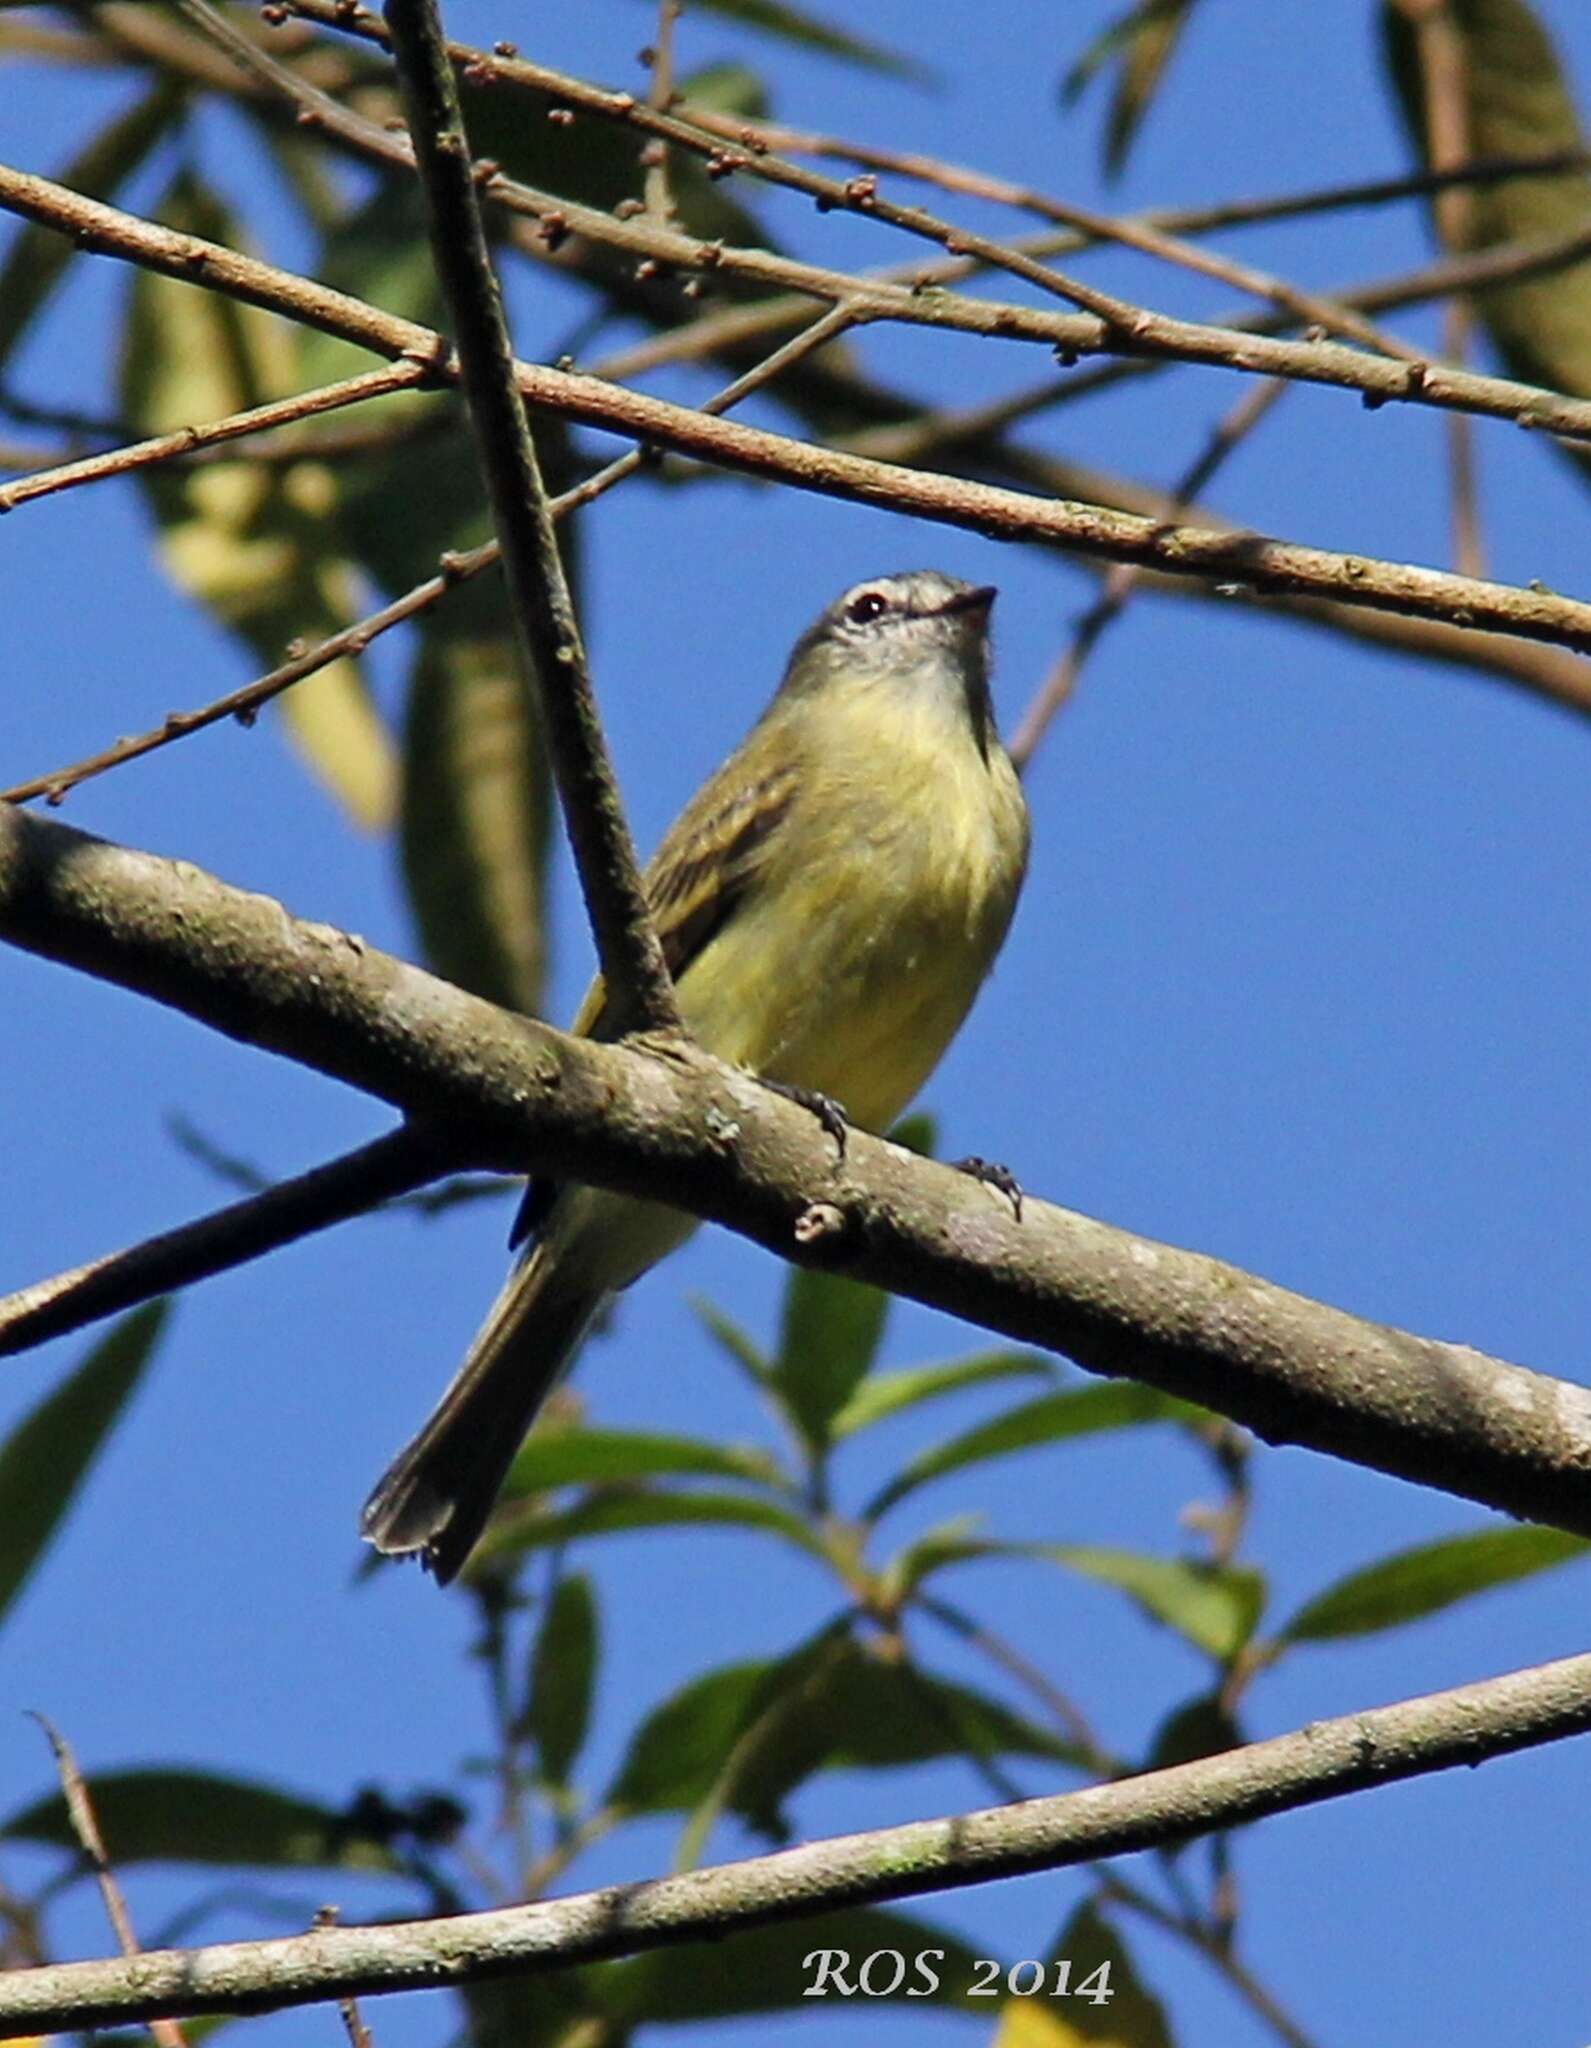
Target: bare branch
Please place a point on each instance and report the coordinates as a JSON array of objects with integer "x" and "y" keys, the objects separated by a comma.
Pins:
[
  {"x": 668, "y": 1122},
  {"x": 1122, "y": 580},
  {"x": 1384, "y": 1745},
  {"x": 80, "y": 1811},
  {"x": 1245, "y": 562},
  {"x": 258, "y": 419},
  {"x": 394, "y": 1165},
  {"x": 245, "y": 703}
]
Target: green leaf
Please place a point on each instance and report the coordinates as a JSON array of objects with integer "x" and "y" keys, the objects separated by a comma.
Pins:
[
  {"x": 180, "y": 1816},
  {"x": 1422, "y": 1581},
  {"x": 678, "y": 1750},
  {"x": 731, "y": 1338},
  {"x": 726, "y": 89},
  {"x": 1200, "y": 1727},
  {"x": 889, "y": 1393},
  {"x": 577, "y": 1456},
  {"x": 766, "y": 1969},
  {"x": 796, "y": 25},
  {"x": 1140, "y": 45},
  {"x": 1518, "y": 101},
  {"x": 475, "y": 815},
  {"x": 1215, "y": 1607},
  {"x": 1108, "y": 2002},
  {"x": 46, "y": 1457},
  {"x": 525, "y": 2012},
  {"x": 250, "y": 541},
  {"x": 831, "y": 1331},
  {"x": 38, "y": 257},
  {"x": 476, "y": 790},
  {"x": 1053, "y": 1418},
  {"x": 947, "y": 1543},
  {"x": 562, "y": 1674},
  {"x": 623, "y": 1513},
  {"x": 744, "y": 1736},
  {"x": 916, "y": 1133}
]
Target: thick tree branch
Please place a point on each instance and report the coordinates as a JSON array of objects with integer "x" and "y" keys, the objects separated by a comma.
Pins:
[
  {"x": 628, "y": 947},
  {"x": 393, "y": 1165},
  {"x": 669, "y": 1122},
  {"x": 1245, "y": 561},
  {"x": 1325, "y": 1760}
]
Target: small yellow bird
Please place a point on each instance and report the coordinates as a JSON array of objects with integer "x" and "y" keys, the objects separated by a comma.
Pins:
[{"x": 829, "y": 903}]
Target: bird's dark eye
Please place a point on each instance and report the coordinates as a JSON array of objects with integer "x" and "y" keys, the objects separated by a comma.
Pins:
[{"x": 870, "y": 605}]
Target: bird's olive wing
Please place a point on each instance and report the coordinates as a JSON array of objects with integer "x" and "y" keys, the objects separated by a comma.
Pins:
[{"x": 698, "y": 875}]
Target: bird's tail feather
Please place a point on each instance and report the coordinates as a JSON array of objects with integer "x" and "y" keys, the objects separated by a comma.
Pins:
[{"x": 435, "y": 1496}]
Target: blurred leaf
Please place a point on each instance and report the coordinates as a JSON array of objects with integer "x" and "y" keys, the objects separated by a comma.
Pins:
[
  {"x": 250, "y": 542},
  {"x": 732, "y": 1338},
  {"x": 622, "y": 1513},
  {"x": 1053, "y": 1418},
  {"x": 45, "y": 1458},
  {"x": 1215, "y": 1607},
  {"x": 531, "y": 2012},
  {"x": 917, "y": 1133},
  {"x": 1139, "y": 44},
  {"x": 726, "y": 89},
  {"x": 766, "y": 1969},
  {"x": 830, "y": 1334},
  {"x": 476, "y": 796},
  {"x": 1422, "y": 1581},
  {"x": 475, "y": 816},
  {"x": 38, "y": 257},
  {"x": 832, "y": 1704},
  {"x": 1200, "y": 1727},
  {"x": 954, "y": 1542},
  {"x": 1518, "y": 102},
  {"x": 1107, "y": 2005},
  {"x": 180, "y": 1816},
  {"x": 796, "y": 25},
  {"x": 888, "y": 1393},
  {"x": 598, "y": 164},
  {"x": 562, "y": 1675},
  {"x": 577, "y": 1456}
]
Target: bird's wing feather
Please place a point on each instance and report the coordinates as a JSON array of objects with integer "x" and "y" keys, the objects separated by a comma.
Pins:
[{"x": 696, "y": 879}]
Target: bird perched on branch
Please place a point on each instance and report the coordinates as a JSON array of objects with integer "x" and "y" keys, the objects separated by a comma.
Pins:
[{"x": 829, "y": 903}]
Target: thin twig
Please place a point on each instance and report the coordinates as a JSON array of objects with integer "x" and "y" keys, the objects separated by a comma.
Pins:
[
  {"x": 1063, "y": 1710},
  {"x": 80, "y": 1811},
  {"x": 1323, "y": 1761},
  {"x": 1123, "y": 579},
  {"x": 1107, "y": 325},
  {"x": 1241, "y": 562},
  {"x": 258, "y": 419},
  {"x": 245, "y": 703},
  {"x": 1186, "y": 1928},
  {"x": 403, "y": 1160},
  {"x": 1187, "y": 220},
  {"x": 657, "y": 197},
  {"x": 1439, "y": 53}
]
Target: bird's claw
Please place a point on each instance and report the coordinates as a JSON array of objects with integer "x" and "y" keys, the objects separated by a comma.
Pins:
[
  {"x": 993, "y": 1175},
  {"x": 829, "y": 1113}
]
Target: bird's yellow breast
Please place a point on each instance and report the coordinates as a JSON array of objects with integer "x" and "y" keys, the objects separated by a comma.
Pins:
[{"x": 859, "y": 949}]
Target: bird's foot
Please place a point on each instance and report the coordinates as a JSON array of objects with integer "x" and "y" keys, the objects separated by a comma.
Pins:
[
  {"x": 828, "y": 1112},
  {"x": 993, "y": 1175}
]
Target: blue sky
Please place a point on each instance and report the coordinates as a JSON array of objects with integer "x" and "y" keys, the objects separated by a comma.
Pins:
[{"x": 1300, "y": 978}]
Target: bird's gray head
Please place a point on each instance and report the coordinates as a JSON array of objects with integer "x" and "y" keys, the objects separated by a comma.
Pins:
[{"x": 921, "y": 631}]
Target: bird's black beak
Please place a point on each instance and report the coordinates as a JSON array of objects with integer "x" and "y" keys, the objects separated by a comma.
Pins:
[{"x": 978, "y": 600}]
